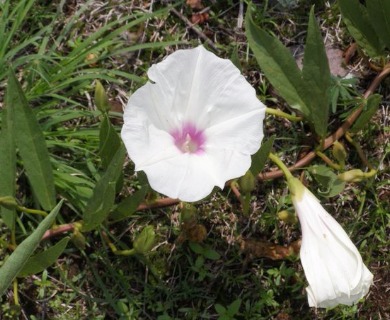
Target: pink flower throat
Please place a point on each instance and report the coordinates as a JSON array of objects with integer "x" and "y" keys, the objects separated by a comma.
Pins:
[{"x": 189, "y": 139}]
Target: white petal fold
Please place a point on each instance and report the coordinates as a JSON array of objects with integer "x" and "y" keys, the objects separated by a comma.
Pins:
[
  {"x": 194, "y": 125},
  {"x": 333, "y": 266}
]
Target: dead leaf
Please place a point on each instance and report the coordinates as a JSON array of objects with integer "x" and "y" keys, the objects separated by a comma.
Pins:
[
  {"x": 198, "y": 18},
  {"x": 264, "y": 249},
  {"x": 195, "y": 4},
  {"x": 335, "y": 59}
]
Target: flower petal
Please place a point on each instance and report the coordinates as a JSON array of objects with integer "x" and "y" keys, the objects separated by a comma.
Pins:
[
  {"x": 185, "y": 177},
  {"x": 211, "y": 90},
  {"x": 240, "y": 134},
  {"x": 144, "y": 142},
  {"x": 333, "y": 265}
]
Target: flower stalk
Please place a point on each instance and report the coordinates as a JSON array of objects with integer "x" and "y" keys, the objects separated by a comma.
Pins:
[
  {"x": 358, "y": 149},
  {"x": 328, "y": 161},
  {"x": 281, "y": 165},
  {"x": 279, "y": 113}
]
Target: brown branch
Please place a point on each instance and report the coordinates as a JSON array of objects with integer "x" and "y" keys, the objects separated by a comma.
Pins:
[
  {"x": 334, "y": 136},
  {"x": 69, "y": 227},
  {"x": 164, "y": 202}
]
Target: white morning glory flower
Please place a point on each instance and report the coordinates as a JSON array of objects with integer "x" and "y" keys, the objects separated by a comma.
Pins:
[
  {"x": 333, "y": 266},
  {"x": 194, "y": 126}
]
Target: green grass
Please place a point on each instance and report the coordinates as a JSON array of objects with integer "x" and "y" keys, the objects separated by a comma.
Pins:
[{"x": 179, "y": 278}]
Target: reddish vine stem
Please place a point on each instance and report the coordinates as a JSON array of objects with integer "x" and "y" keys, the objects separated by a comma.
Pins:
[
  {"x": 273, "y": 174},
  {"x": 69, "y": 227}
]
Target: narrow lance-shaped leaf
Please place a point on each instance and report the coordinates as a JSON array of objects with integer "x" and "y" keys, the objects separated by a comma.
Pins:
[
  {"x": 369, "y": 110},
  {"x": 109, "y": 141},
  {"x": 316, "y": 76},
  {"x": 7, "y": 167},
  {"x": 31, "y": 144},
  {"x": 277, "y": 63},
  {"x": 44, "y": 259},
  {"x": 356, "y": 19},
  {"x": 17, "y": 260},
  {"x": 129, "y": 205},
  {"x": 102, "y": 200},
  {"x": 260, "y": 157}
]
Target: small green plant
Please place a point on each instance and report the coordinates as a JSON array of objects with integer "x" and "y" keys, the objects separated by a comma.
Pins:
[{"x": 229, "y": 312}]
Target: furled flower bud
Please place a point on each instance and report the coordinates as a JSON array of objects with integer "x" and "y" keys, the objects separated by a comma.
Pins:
[
  {"x": 78, "y": 239},
  {"x": 339, "y": 153},
  {"x": 247, "y": 182},
  {"x": 287, "y": 217},
  {"x": 145, "y": 240},
  {"x": 333, "y": 266},
  {"x": 355, "y": 175},
  {"x": 101, "y": 99}
]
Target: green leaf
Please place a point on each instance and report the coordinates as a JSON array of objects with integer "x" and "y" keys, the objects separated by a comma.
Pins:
[
  {"x": 260, "y": 157},
  {"x": 234, "y": 307},
  {"x": 196, "y": 247},
  {"x": 31, "y": 144},
  {"x": 335, "y": 188},
  {"x": 7, "y": 167},
  {"x": 145, "y": 240},
  {"x": 129, "y": 205},
  {"x": 109, "y": 141},
  {"x": 327, "y": 179},
  {"x": 278, "y": 64},
  {"x": 356, "y": 18},
  {"x": 220, "y": 309},
  {"x": 17, "y": 260},
  {"x": 369, "y": 110},
  {"x": 211, "y": 254},
  {"x": 103, "y": 198},
  {"x": 379, "y": 15},
  {"x": 316, "y": 75},
  {"x": 322, "y": 174},
  {"x": 44, "y": 259}
]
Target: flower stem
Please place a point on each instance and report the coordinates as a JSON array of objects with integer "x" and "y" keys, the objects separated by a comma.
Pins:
[
  {"x": 129, "y": 252},
  {"x": 16, "y": 293},
  {"x": 359, "y": 150},
  {"x": 328, "y": 161},
  {"x": 281, "y": 165},
  {"x": 32, "y": 211},
  {"x": 277, "y": 112}
]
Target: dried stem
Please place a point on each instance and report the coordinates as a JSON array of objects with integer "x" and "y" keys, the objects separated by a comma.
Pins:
[
  {"x": 164, "y": 202},
  {"x": 197, "y": 31}
]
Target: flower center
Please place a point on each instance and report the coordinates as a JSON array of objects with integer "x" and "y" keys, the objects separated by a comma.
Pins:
[{"x": 188, "y": 139}]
